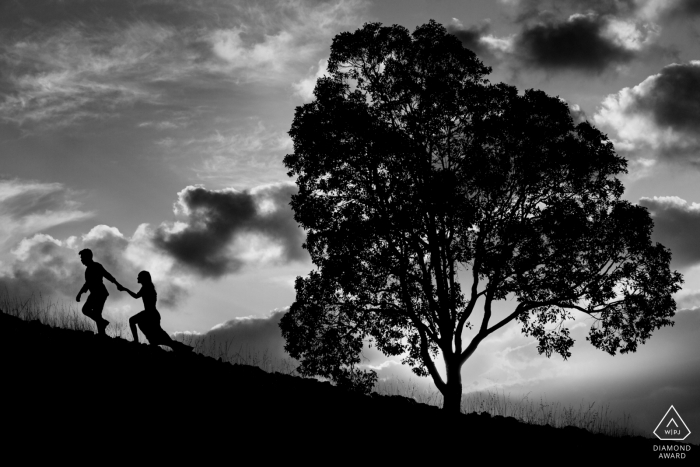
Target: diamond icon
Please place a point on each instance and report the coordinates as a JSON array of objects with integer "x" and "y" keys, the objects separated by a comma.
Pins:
[{"x": 672, "y": 427}]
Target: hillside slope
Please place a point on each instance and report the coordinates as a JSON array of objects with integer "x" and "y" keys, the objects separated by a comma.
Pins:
[{"x": 91, "y": 396}]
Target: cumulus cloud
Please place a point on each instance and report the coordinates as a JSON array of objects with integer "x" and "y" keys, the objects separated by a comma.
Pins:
[
  {"x": 28, "y": 207},
  {"x": 676, "y": 226},
  {"x": 224, "y": 229},
  {"x": 242, "y": 339},
  {"x": 658, "y": 118},
  {"x": 577, "y": 113},
  {"x": 49, "y": 266},
  {"x": 220, "y": 232},
  {"x": 688, "y": 299}
]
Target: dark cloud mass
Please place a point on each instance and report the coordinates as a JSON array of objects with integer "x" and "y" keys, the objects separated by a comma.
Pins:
[
  {"x": 581, "y": 42},
  {"x": 673, "y": 100},
  {"x": 576, "y": 44},
  {"x": 471, "y": 36},
  {"x": 215, "y": 219},
  {"x": 677, "y": 227}
]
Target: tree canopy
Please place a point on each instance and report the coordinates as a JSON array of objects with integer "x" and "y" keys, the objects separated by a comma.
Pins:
[{"x": 418, "y": 178}]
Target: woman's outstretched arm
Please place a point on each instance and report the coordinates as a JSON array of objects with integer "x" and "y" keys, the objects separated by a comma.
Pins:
[{"x": 133, "y": 295}]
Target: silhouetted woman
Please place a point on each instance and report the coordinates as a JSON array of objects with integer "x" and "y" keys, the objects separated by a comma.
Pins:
[{"x": 149, "y": 319}]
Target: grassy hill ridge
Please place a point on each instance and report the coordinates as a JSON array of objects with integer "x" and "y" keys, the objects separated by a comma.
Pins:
[{"x": 74, "y": 388}]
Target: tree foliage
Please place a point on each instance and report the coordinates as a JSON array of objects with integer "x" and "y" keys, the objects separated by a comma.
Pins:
[{"x": 417, "y": 177}]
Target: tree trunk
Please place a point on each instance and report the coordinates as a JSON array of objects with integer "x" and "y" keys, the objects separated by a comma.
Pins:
[{"x": 453, "y": 390}]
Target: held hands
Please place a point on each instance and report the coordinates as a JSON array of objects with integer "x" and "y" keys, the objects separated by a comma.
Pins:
[{"x": 120, "y": 288}]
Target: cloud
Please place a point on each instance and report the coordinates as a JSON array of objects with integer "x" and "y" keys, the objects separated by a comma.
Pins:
[
  {"x": 658, "y": 118},
  {"x": 674, "y": 9},
  {"x": 46, "y": 266},
  {"x": 280, "y": 35},
  {"x": 163, "y": 125},
  {"x": 472, "y": 37},
  {"x": 688, "y": 300},
  {"x": 77, "y": 75},
  {"x": 580, "y": 43},
  {"x": 584, "y": 43},
  {"x": 676, "y": 226},
  {"x": 224, "y": 229},
  {"x": 305, "y": 87},
  {"x": 648, "y": 10},
  {"x": 66, "y": 62},
  {"x": 221, "y": 232},
  {"x": 586, "y": 36},
  {"x": 243, "y": 339},
  {"x": 577, "y": 113},
  {"x": 28, "y": 207},
  {"x": 250, "y": 153}
]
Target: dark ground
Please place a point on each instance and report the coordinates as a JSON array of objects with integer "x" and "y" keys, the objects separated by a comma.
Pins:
[{"x": 71, "y": 395}]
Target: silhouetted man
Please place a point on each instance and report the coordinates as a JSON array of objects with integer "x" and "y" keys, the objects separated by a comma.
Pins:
[{"x": 94, "y": 272}]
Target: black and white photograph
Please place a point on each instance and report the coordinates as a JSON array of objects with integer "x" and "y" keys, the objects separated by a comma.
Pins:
[{"x": 350, "y": 231}]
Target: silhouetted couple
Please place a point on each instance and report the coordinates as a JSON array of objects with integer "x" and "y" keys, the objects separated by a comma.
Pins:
[{"x": 148, "y": 319}]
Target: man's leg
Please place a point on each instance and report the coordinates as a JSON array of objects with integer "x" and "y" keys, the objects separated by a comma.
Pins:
[
  {"x": 93, "y": 310},
  {"x": 89, "y": 308}
]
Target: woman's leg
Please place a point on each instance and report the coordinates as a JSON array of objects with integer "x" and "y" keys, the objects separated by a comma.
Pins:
[
  {"x": 160, "y": 337},
  {"x": 178, "y": 346},
  {"x": 149, "y": 322},
  {"x": 133, "y": 321},
  {"x": 150, "y": 327},
  {"x": 164, "y": 339}
]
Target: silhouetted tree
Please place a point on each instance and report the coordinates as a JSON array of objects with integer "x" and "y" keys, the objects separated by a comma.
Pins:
[{"x": 417, "y": 178}]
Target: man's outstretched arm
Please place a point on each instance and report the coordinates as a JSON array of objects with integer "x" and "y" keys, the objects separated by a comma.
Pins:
[{"x": 110, "y": 277}]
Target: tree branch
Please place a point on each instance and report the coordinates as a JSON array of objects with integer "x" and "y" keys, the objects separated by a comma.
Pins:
[
  {"x": 521, "y": 308},
  {"x": 474, "y": 295},
  {"x": 427, "y": 361}
]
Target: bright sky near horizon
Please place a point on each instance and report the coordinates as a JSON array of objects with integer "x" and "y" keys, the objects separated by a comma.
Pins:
[{"x": 153, "y": 132}]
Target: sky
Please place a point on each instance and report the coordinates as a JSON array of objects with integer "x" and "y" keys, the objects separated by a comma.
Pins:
[{"x": 153, "y": 132}]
